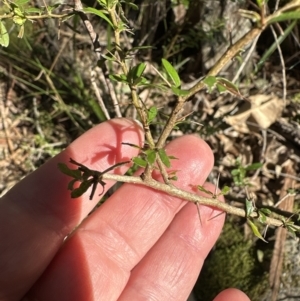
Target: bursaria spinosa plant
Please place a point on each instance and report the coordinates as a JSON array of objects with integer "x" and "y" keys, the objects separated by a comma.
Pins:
[{"x": 132, "y": 74}]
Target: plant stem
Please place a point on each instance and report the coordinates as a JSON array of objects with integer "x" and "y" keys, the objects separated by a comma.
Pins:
[{"x": 191, "y": 197}]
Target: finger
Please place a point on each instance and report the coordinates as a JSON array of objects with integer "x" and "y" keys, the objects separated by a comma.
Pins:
[
  {"x": 100, "y": 255},
  {"x": 170, "y": 269},
  {"x": 37, "y": 214},
  {"x": 232, "y": 294}
]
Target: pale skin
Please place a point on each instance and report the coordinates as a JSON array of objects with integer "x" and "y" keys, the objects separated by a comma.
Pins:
[{"x": 140, "y": 245}]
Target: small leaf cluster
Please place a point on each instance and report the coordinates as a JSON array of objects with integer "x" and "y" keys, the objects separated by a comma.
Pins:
[
  {"x": 134, "y": 76},
  {"x": 149, "y": 156},
  {"x": 86, "y": 177},
  {"x": 240, "y": 172}
]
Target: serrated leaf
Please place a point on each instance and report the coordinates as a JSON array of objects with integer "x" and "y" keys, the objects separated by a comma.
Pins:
[
  {"x": 151, "y": 114},
  {"x": 151, "y": 156},
  {"x": 210, "y": 82},
  {"x": 83, "y": 187},
  {"x": 4, "y": 37},
  {"x": 139, "y": 161},
  {"x": 164, "y": 157},
  {"x": 201, "y": 188},
  {"x": 172, "y": 73},
  {"x": 99, "y": 13},
  {"x": 179, "y": 92},
  {"x": 74, "y": 173},
  {"x": 255, "y": 230}
]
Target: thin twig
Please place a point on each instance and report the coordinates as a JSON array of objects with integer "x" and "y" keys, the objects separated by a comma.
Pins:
[
  {"x": 191, "y": 197},
  {"x": 282, "y": 64}
]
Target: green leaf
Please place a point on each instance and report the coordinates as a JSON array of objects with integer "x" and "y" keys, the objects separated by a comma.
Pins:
[
  {"x": 151, "y": 156},
  {"x": 4, "y": 37},
  {"x": 139, "y": 69},
  {"x": 255, "y": 230},
  {"x": 201, "y": 188},
  {"x": 71, "y": 184},
  {"x": 119, "y": 78},
  {"x": 293, "y": 15},
  {"x": 135, "y": 73},
  {"x": 265, "y": 211},
  {"x": 31, "y": 10},
  {"x": 18, "y": 12},
  {"x": 224, "y": 84},
  {"x": 254, "y": 166},
  {"x": 179, "y": 92},
  {"x": 19, "y": 20},
  {"x": 249, "y": 207},
  {"x": 133, "y": 49},
  {"x": 164, "y": 157},
  {"x": 235, "y": 172},
  {"x": 50, "y": 8},
  {"x": 132, "y": 5},
  {"x": 262, "y": 217},
  {"x": 20, "y": 2},
  {"x": 172, "y": 73},
  {"x": 74, "y": 173},
  {"x": 84, "y": 186},
  {"x": 139, "y": 161},
  {"x": 140, "y": 81},
  {"x": 225, "y": 190},
  {"x": 260, "y": 3},
  {"x": 99, "y": 13},
  {"x": 210, "y": 82},
  {"x": 151, "y": 114}
]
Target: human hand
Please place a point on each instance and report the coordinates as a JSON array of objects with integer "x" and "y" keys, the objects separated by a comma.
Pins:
[{"x": 140, "y": 244}]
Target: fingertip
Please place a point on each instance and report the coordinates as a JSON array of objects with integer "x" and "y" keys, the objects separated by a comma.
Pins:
[{"x": 232, "y": 294}]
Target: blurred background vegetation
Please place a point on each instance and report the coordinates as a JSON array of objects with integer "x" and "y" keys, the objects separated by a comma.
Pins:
[{"x": 49, "y": 80}]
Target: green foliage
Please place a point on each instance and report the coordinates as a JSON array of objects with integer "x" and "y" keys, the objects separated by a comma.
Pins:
[
  {"x": 4, "y": 37},
  {"x": 239, "y": 173},
  {"x": 222, "y": 84},
  {"x": 172, "y": 73},
  {"x": 87, "y": 178}
]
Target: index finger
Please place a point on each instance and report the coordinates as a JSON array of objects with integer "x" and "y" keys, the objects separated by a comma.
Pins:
[{"x": 37, "y": 214}]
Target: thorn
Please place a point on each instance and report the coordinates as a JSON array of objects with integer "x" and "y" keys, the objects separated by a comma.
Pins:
[
  {"x": 217, "y": 186},
  {"x": 216, "y": 216},
  {"x": 198, "y": 210}
]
